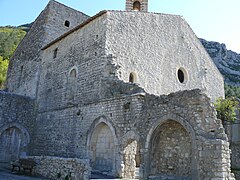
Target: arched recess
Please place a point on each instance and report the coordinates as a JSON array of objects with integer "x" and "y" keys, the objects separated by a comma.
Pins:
[
  {"x": 132, "y": 77},
  {"x": 171, "y": 147},
  {"x": 71, "y": 87},
  {"x": 73, "y": 72},
  {"x": 103, "y": 147},
  {"x": 130, "y": 159},
  {"x": 14, "y": 139}
]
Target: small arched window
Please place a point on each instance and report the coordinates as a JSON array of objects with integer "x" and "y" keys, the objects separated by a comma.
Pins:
[
  {"x": 73, "y": 73},
  {"x": 132, "y": 77},
  {"x": 67, "y": 23},
  {"x": 137, "y": 6}
]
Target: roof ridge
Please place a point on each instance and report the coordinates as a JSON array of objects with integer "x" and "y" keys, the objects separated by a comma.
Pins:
[
  {"x": 145, "y": 12},
  {"x": 92, "y": 18}
]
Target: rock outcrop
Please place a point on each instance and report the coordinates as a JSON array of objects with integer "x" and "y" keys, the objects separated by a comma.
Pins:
[{"x": 227, "y": 61}]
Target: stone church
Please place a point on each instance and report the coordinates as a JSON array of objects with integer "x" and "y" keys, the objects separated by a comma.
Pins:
[{"x": 112, "y": 93}]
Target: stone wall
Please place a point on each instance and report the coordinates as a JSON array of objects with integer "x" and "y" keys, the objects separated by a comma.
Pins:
[
  {"x": 171, "y": 145},
  {"x": 17, "y": 117},
  {"x": 61, "y": 168},
  {"x": 75, "y": 132},
  {"x": 60, "y": 95},
  {"x": 25, "y": 65},
  {"x": 96, "y": 114},
  {"x": 235, "y": 159},
  {"x": 194, "y": 112},
  {"x": 69, "y": 126},
  {"x": 58, "y": 14},
  {"x": 83, "y": 51},
  {"x": 154, "y": 47}
]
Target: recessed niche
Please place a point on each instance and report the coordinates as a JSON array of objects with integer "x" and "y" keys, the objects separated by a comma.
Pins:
[
  {"x": 132, "y": 77},
  {"x": 73, "y": 73}
]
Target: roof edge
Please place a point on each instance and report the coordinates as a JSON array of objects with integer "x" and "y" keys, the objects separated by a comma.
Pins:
[
  {"x": 54, "y": 1},
  {"x": 91, "y": 19},
  {"x": 75, "y": 29}
]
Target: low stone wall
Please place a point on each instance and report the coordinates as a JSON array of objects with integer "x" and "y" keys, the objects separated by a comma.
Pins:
[
  {"x": 235, "y": 155},
  {"x": 235, "y": 159},
  {"x": 62, "y": 168},
  {"x": 17, "y": 117}
]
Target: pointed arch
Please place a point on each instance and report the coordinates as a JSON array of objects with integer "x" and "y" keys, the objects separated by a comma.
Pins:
[
  {"x": 73, "y": 72},
  {"x": 14, "y": 140},
  {"x": 186, "y": 127},
  {"x": 102, "y": 146},
  {"x": 19, "y": 126},
  {"x": 128, "y": 136}
]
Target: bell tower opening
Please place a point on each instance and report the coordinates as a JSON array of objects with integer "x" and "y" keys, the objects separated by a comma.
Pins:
[{"x": 137, "y": 5}]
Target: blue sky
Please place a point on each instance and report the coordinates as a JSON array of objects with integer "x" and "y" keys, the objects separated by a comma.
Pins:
[{"x": 215, "y": 20}]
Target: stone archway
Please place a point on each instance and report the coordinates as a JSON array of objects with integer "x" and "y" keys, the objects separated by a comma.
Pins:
[
  {"x": 170, "y": 151},
  {"x": 102, "y": 149},
  {"x": 13, "y": 142}
]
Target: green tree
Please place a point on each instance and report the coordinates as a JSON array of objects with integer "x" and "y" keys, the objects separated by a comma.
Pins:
[
  {"x": 232, "y": 91},
  {"x": 3, "y": 71},
  {"x": 9, "y": 40},
  {"x": 10, "y": 37},
  {"x": 226, "y": 109}
]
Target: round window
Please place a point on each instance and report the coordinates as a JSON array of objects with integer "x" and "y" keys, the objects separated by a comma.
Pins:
[{"x": 182, "y": 75}]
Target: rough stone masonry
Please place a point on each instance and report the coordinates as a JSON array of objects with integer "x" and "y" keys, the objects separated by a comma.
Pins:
[{"x": 112, "y": 93}]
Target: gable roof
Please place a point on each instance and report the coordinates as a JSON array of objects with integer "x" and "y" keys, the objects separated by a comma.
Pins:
[
  {"x": 75, "y": 29},
  {"x": 93, "y": 18}
]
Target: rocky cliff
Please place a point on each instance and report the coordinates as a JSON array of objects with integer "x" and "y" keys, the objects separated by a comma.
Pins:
[{"x": 227, "y": 61}]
